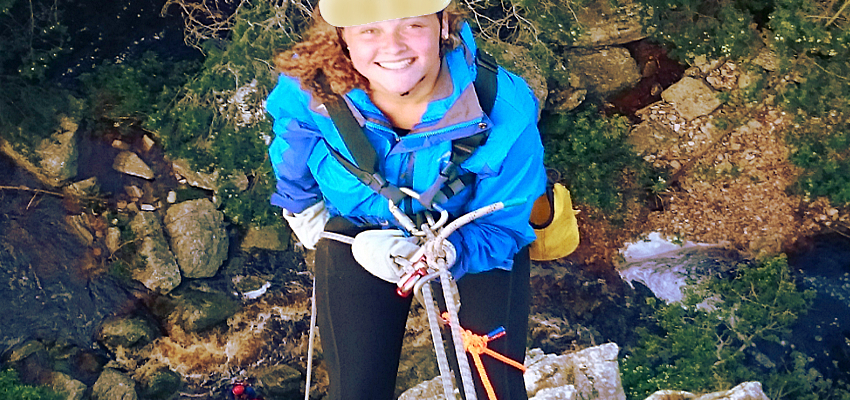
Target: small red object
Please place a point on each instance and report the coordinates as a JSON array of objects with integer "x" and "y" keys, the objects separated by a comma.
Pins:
[
  {"x": 238, "y": 390},
  {"x": 408, "y": 281}
]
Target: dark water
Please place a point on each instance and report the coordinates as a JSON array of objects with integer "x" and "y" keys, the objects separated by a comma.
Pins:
[
  {"x": 824, "y": 333},
  {"x": 107, "y": 30},
  {"x": 54, "y": 288},
  {"x": 51, "y": 286}
]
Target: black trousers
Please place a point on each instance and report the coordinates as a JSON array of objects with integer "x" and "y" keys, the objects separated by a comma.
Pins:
[{"x": 361, "y": 322}]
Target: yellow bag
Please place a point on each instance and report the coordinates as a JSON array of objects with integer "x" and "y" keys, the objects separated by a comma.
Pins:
[{"x": 554, "y": 222}]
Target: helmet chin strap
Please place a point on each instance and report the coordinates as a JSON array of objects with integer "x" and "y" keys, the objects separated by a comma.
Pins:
[{"x": 411, "y": 89}]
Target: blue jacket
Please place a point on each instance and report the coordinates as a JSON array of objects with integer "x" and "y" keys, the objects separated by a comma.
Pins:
[{"x": 508, "y": 166}]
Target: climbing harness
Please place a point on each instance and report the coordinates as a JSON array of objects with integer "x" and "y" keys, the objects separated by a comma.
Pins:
[
  {"x": 420, "y": 269},
  {"x": 552, "y": 217}
]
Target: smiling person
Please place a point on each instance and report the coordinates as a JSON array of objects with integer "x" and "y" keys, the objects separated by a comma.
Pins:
[{"x": 403, "y": 75}]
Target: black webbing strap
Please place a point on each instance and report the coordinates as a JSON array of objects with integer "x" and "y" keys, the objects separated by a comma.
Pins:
[
  {"x": 352, "y": 134},
  {"x": 449, "y": 183},
  {"x": 358, "y": 145},
  {"x": 486, "y": 82}
]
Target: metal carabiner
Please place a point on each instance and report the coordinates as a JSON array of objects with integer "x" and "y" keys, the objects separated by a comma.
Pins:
[
  {"x": 444, "y": 215},
  {"x": 404, "y": 220}
]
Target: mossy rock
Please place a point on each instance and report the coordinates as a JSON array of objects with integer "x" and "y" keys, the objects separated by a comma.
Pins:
[
  {"x": 280, "y": 381},
  {"x": 160, "y": 383},
  {"x": 127, "y": 333},
  {"x": 518, "y": 60},
  {"x": 196, "y": 310}
]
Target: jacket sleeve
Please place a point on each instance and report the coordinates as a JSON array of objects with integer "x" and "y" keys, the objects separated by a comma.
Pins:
[
  {"x": 294, "y": 141},
  {"x": 512, "y": 170}
]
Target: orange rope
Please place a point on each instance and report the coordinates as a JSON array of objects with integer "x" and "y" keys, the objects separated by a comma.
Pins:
[{"x": 476, "y": 345}]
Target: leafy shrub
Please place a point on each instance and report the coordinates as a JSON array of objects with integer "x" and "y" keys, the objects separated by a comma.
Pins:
[
  {"x": 218, "y": 122},
  {"x": 819, "y": 99},
  {"x": 545, "y": 28},
  {"x": 692, "y": 28},
  {"x": 5, "y": 5},
  {"x": 127, "y": 93},
  {"x": 701, "y": 351},
  {"x": 33, "y": 36},
  {"x": 11, "y": 388},
  {"x": 591, "y": 152}
]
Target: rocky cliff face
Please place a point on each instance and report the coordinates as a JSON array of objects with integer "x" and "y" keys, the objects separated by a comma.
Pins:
[{"x": 225, "y": 316}]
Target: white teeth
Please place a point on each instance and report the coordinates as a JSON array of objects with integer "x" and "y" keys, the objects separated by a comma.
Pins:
[{"x": 396, "y": 64}]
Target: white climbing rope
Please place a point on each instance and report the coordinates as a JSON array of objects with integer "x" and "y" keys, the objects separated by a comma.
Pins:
[
  {"x": 437, "y": 268},
  {"x": 311, "y": 340}
]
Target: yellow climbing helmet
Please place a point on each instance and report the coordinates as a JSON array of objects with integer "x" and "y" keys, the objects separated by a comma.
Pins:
[{"x": 343, "y": 13}]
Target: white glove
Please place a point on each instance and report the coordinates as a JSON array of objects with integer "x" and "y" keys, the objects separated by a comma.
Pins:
[
  {"x": 377, "y": 250},
  {"x": 309, "y": 224}
]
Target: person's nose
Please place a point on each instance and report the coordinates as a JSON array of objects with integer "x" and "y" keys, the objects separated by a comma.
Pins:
[{"x": 395, "y": 43}]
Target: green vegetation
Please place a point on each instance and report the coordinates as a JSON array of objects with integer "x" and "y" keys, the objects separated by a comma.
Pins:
[
  {"x": 208, "y": 126},
  {"x": 130, "y": 93},
  {"x": 11, "y": 388},
  {"x": 693, "y": 28},
  {"x": 811, "y": 40},
  {"x": 702, "y": 350},
  {"x": 545, "y": 28},
  {"x": 591, "y": 152},
  {"x": 5, "y": 5},
  {"x": 33, "y": 36}
]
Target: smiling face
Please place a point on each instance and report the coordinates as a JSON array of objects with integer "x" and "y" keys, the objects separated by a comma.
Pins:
[{"x": 400, "y": 56}]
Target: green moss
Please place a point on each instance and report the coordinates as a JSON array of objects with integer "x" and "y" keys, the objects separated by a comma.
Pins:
[
  {"x": 125, "y": 95},
  {"x": 11, "y": 388},
  {"x": 30, "y": 113},
  {"x": 591, "y": 152},
  {"x": 209, "y": 131}
]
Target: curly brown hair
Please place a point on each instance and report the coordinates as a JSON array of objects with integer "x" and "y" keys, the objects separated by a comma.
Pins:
[{"x": 323, "y": 51}]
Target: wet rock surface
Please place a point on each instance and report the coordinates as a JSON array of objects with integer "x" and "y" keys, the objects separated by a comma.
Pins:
[
  {"x": 131, "y": 164},
  {"x": 71, "y": 388},
  {"x": 198, "y": 237},
  {"x": 159, "y": 270},
  {"x": 54, "y": 161},
  {"x": 126, "y": 333},
  {"x": 49, "y": 289},
  {"x": 114, "y": 385}
]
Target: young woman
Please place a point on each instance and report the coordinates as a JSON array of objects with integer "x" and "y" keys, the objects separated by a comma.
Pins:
[{"x": 405, "y": 70}]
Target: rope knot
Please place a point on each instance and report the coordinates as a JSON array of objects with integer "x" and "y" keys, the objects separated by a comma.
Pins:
[{"x": 476, "y": 345}]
